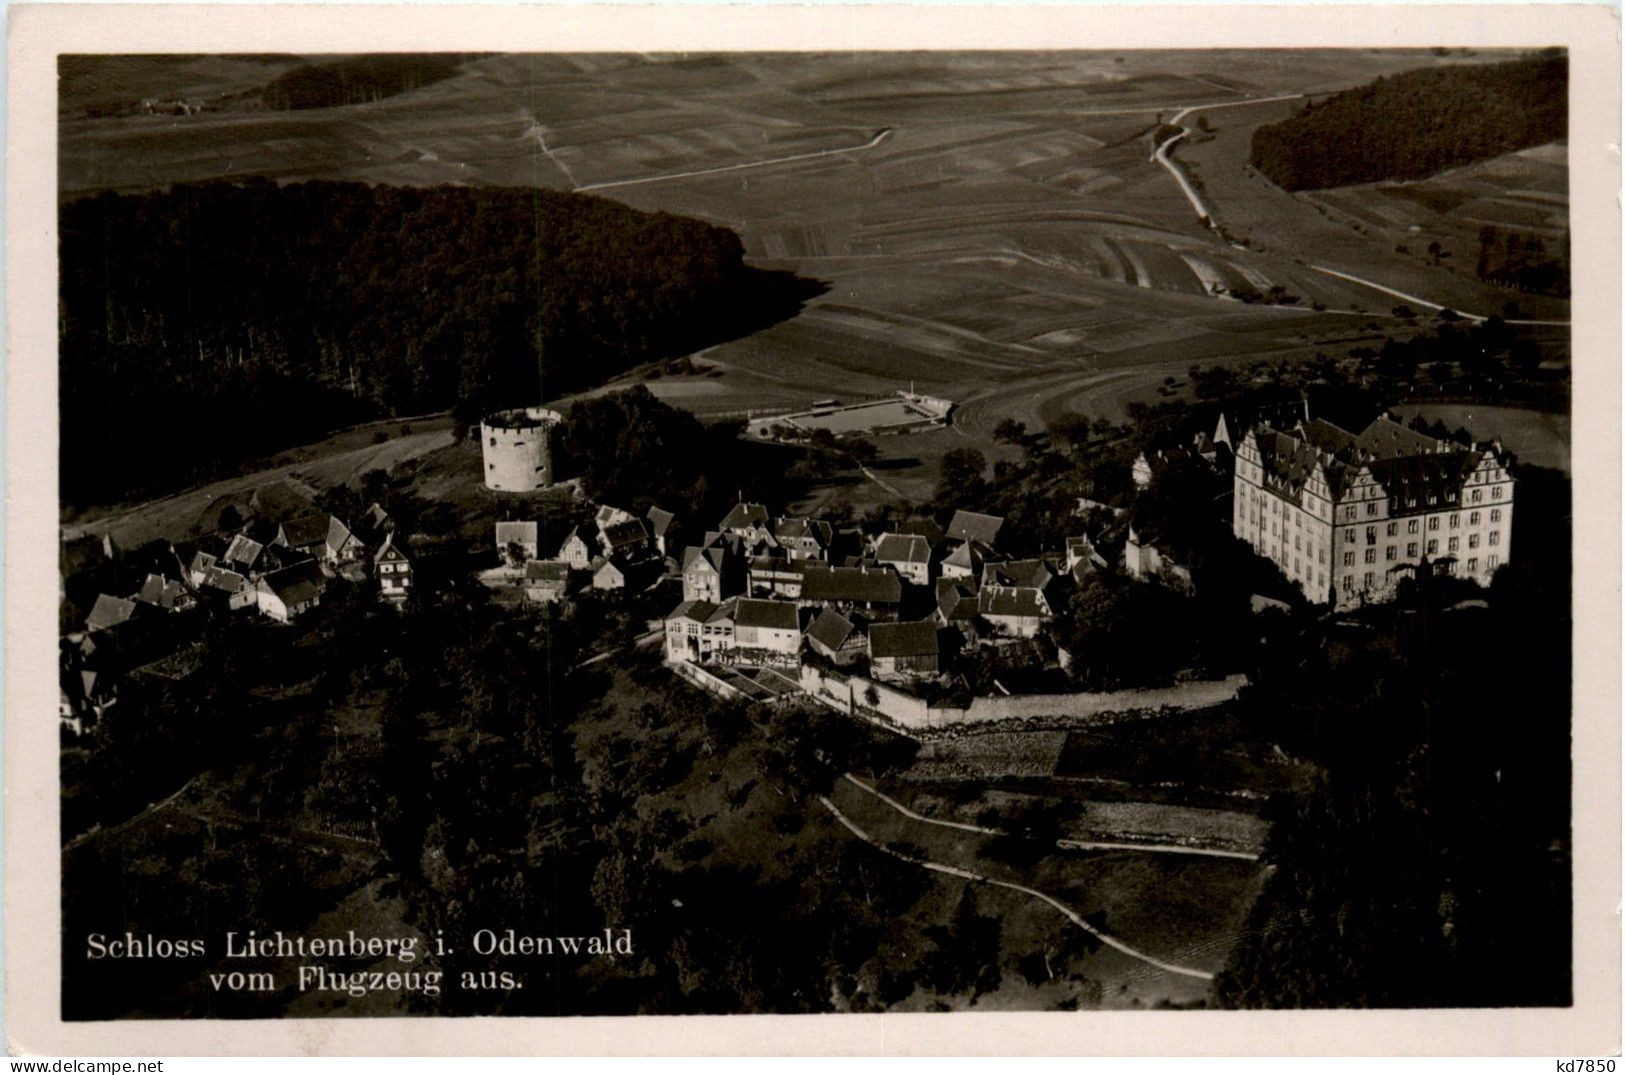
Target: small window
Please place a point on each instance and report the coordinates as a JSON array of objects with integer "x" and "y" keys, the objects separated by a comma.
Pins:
[
  {"x": 1410, "y": 550},
  {"x": 1472, "y": 520},
  {"x": 1455, "y": 521},
  {"x": 1393, "y": 529},
  {"x": 1433, "y": 522},
  {"x": 1472, "y": 564},
  {"x": 493, "y": 442},
  {"x": 1371, "y": 556},
  {"x": 1433, "y": 547},
  {"x": 1412, "y": 526},
  {"x": 1495, "y": 537},
  {"x": 1495, "y": 494},
  {"x": 1495, "y": 515},
  {"x": 1455, "y": 543},
  {"x": 1348, "y": 559},
  {"x": 1391, "y": 553}
]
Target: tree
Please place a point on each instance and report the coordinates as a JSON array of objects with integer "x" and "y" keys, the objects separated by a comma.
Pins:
[
  {"x": 1010, "y": 431},
  {"x": 959, "y": 481}
]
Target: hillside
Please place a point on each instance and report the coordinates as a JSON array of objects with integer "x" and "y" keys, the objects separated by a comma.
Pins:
[
  {"x": 211, "y": 323},
  {"x": 1418, "y": 123},
  {"x": 355, "y": 81}
]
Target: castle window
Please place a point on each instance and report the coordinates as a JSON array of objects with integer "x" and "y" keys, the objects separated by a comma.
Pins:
[
  {"x": 1348, "y": 559},
  {"x": 1433, "y": 522},
  {"x": 1455, "y": 543},
  {"x": 1472, "y": 565},
  {"x": 1369, "y": 578},
  {"x": 1494, "y": 560},
  {"x": 1410, "y": 550},
  {"x": 1348, "y": 535},
  {"x": 1412, "y": 525},
  {"x": 1433, "y": 548},
  {"x": 1478, "y": 494},
  {"x": 1495, "y": 494},
  {"x": 1370, "y": 535},
  {"x": 1472, "y": 541},
  {"x": 1455, "y": 521},
  {"x": 1495, "y": 537},
  {"x": 1391, "y": 553},
  {"x": 1495, "y": 515},
  {"x": 493, "y": 442},
  {"x": 1393, "y": 529},
  {"x": 1371, "y": 507},
  {"x": 1371, "y": 556}
]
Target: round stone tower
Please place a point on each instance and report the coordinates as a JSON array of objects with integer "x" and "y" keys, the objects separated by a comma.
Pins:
[{"x": 514, "y": 444}]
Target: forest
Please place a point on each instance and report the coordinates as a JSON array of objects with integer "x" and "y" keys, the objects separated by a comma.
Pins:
[
  {"x": 1417, "y": 123},
  {"x": 354, "y": 81},
  {"x": 213, "y": 323}
]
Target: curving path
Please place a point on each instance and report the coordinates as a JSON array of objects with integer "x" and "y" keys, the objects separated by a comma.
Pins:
[
  {"x": 968, "y": 875},
  {"x": 885, "y": 132},
  {"x": 1074, "y": 845}
]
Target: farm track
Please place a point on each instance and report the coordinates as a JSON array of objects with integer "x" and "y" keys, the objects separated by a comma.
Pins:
[
  {"x": 1066, "y": 843},
  {"x": 720, "y": 169},
  {"x": 970, "y": 875}
]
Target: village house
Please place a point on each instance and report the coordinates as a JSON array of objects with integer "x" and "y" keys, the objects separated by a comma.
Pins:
[
  {"x": 608, "y": 573},
  {"x": 290, "y": 592},
  {"x": 901, "y": 650},
  {"x": 774, "y": 576},
  {"x": 607, "y": 516},
  {"x": 1143, "y": 560},
  {"x": 804, "y": 539},
  {"x": 837, "y": 638},
  {"x": 974, "y": 526},
  {"x": 242, "y": 555},
  {"x": 394, "y": 571},
  {"x": 956, "y": 602},
  {"x": 228, "y": 587},
  {"x": 1081, "y": 551},
  {"x": 877, "y": 590},
  {"x": 1013, "y": 610},
  {"x": 109, "y": 612},
  {"x": 547, "y": 581},
  {"x": 322, "y": 537},
  {"x": 171, "y": 595},
  {"x": 907, "y": 554},
  {"x": 578, "y": 549},
  {"x": 683, "y": 631},
  {"x": 662, "y": 526},
  {"x": 748, "y": 521},
  {"x": 766, "y": 632},
  {"x": 968, "y": 560},
  {"x": 517, "y": 541},
  {"x": 626, "y": 540},
  {"x": 375, "y": 524},
  {"x": 86, "y": 695},
  {"x": 710, "y": 574}
]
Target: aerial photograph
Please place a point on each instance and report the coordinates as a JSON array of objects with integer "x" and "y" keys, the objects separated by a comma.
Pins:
[{"x": 559, "y": 534}]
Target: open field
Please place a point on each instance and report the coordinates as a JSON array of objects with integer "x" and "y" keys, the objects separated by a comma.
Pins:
[{"x": 991, "y": 226}]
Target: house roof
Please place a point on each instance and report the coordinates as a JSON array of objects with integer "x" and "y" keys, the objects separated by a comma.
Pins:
[
  {"x": 869, "y": 585},
  {"x": 971, "y": 556},
  {"x": 218, "y": 578},
  {"x": 620, "y": 535},
  {"x": 698, "y": 611},
  {"x": 516, "y": 532},
  {"x": 975, "y": 526},
  {"x": 608, "y": 516},
  {"x": 160, "y": 591},
  {"x": 337, "y": 532},
  {"x": 902, "y": 549},
  {"x": 743, "y": 516},
  {"x": 1011, "y": 601},
  {"x": 794, "y": 529},
  {"x": 296, "y": 585},
  {"x": 109, "y": 611},
  {"x": 660, "y": 521},
  {"x": 1033, "y": 573},
  {"x": 389, "y": 550},
  {"x": 952, "y": 591},
  {"x": 202, "y": 562},
  {"x": 305, "y": 531},
  {"x": 547, "y": 571},
  {"x": 755, "y": 612},
  {"x": 712, "y": 557},
  {"x": 242, "y": 550},
  {"x": 831, "y": 629},
  {"x": 724, "y": 613},
  {"x": 917, "y": 639},
  {"x": 925, "y": 527}
]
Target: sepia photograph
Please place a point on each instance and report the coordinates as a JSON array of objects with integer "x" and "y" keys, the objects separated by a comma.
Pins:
[{"x": 791, "y": 531}]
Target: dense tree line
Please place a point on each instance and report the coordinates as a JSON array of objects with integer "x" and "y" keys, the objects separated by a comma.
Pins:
[
  {"x": 214, "y": 322},
  {"x": 1522, "y": 261},
  {"x": 1417, "y": 123},
  {"x": 354, "y": 81}
]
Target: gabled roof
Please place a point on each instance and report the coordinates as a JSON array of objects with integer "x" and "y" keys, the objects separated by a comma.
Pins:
[
  {"x": 660, "y": 521},
  {"x": 337, "y": 532},
  {"x": 201, "y": 562},
  {"x": 620, "y": 535},
  {"x": 296, "y": 585},
  {"x": 376, "y": 519},
  {"x": 918, "y": 639},
  {"x": 869, "y": 585},
  {"x": 902, "y": 549},
  {"x": 779, "y": 615},
  {"x": 305, "y": 531},
  {"x": 1011, "y": 601},
  {"x": 389, "y": 550},
  {"x": 712, "y": 557},
  {"x": 1030, "y": 573},
  {"x": 243, "y": 550},
  {"x": 608, "y": 516},
  {"x": 971, "y": 556},
  {"x": 109, "y": 611},
  {"x": 698, "y": 611},
  {"x": 923, "y": 526},
  {"x": 831, "y": 629},
  {"x": 160, "y": 591},
  {"x": 516, "y": 532},
  {"x": 724, "y": 612},
  {"x": 547, "y": 571},
  {"x": 795, "y": 529},
  {"x": 975, "y": 526},
  {"x": 218, "y": 578},
  {"x": 743, "y": 516}
]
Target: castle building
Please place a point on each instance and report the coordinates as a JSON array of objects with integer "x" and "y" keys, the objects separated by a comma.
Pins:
[
  {"x": 514, "y": 446},
  {"x": 1346, "y": 516}
]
